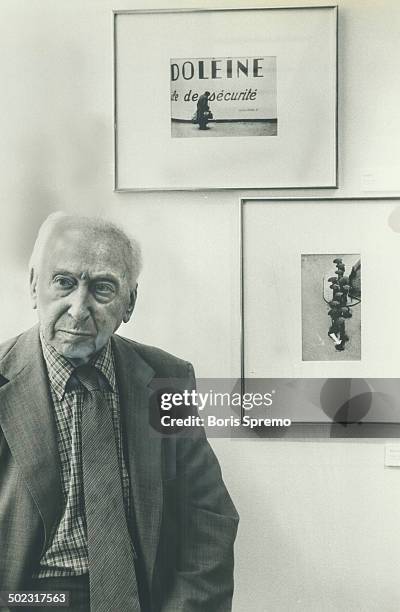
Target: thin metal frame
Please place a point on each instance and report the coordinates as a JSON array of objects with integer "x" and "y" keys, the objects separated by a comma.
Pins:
[
  {"x": 116, "y": 13},
  {"x": 270, "y": 199}
]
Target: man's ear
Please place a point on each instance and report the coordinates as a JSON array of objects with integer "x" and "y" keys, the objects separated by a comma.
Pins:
[
  {"x": 33, "y": 288},
  {"x": 132, "y": 302}
]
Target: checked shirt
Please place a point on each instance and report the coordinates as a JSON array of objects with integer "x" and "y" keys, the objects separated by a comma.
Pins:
[{"x": 67, "y": 554}]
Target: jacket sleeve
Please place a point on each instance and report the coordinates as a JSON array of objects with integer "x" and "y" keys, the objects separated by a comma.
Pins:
[{"x": 206, "y": 525}]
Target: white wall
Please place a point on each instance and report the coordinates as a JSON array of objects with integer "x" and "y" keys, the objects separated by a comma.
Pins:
[{"x": 320, "y": 522}]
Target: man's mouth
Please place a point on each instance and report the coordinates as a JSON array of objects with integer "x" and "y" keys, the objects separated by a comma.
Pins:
[{"x": 76, "y": 332}]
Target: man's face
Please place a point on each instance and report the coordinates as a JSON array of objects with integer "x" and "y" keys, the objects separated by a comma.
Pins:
[{"x": 82, "y": 291}]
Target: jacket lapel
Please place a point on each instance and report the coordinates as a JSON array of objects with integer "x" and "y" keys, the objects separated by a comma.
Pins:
[
  {"x": 134, "y": 376},
  {"x": 27, "y": 421}
]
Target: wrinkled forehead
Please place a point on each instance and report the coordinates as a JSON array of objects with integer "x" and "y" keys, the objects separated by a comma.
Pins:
[{"x": 85, "y": 249}]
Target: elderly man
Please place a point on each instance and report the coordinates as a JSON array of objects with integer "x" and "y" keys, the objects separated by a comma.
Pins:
[{"x": 92, "y": 500}]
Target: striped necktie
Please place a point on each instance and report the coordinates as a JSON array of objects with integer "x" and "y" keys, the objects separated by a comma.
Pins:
[{"x": 113, "y": 584}]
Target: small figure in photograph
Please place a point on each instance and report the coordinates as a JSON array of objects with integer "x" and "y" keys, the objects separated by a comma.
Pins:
[{"x": 203, "y": 111}]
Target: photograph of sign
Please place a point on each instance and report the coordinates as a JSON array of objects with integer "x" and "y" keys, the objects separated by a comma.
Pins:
[{"x": 223, "y": 97}]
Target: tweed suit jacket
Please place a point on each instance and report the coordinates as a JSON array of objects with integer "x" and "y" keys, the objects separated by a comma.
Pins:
[{"x": 184, "y": 521}]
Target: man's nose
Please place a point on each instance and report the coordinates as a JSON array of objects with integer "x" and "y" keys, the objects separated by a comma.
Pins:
[{"x": 79, "y": 304}]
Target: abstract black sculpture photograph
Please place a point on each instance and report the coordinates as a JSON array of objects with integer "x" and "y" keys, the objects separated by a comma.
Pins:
[{"x": 331, "y": 307}]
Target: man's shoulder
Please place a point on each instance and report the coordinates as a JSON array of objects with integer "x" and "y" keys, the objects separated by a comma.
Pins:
[
  {"x": 14, "y": 354},
  {"x": 7, "y": 346},
  {"x": 163, "y": 363}
]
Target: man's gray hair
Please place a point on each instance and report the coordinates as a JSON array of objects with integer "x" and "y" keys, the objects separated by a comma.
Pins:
[{"x": 128, "y": 243}]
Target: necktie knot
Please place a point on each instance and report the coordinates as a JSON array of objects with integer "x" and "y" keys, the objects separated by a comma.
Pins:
[{"x": 88, "y": 376}]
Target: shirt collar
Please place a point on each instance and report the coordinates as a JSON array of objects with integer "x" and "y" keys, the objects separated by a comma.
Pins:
[{"x": 60, "y": 369}]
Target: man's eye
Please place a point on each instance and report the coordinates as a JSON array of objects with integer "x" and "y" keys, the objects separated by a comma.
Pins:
[
  {"x": 63, "y": 282},
  {"x": 104, "y": 289}
]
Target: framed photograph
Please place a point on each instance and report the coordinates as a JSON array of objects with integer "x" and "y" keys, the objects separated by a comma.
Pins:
[
  {"x": 319, "y": 307},
  {"x": 337, "y": 279},
  {"x": 225, "y": 98}
]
